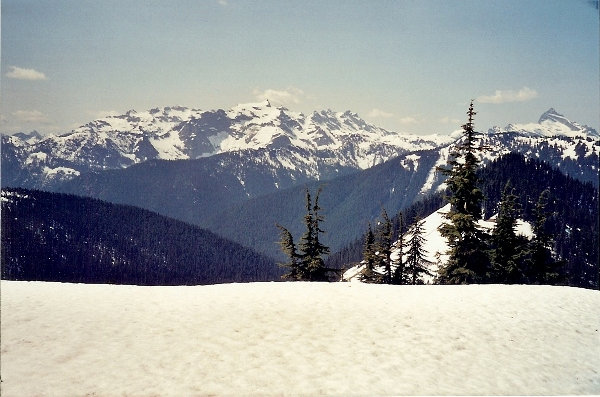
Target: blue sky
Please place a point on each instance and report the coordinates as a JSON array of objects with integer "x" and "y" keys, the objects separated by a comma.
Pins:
[{"x": 405, "y": 65}]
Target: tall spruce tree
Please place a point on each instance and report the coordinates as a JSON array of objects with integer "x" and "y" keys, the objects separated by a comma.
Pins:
[
  {"x": 468, "y": 260},
  {"x": 416, "y": 262},
  {"x": 507, "y": 254},
  {"x": 312, "y": 250}
]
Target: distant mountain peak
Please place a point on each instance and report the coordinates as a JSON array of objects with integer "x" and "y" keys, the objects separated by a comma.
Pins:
[
  {"x": 28, "y": 135},
  {"x": 550, "y": 124},
  {"x": 553, "y": 116},
  {"x": 548, "y": 114}
]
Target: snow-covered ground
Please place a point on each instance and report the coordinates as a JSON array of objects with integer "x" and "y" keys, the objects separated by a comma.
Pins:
[{"x": 298, "y": 339}]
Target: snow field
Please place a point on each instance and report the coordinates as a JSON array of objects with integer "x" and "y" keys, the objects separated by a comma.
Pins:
[{"x": 298, "y": 339}]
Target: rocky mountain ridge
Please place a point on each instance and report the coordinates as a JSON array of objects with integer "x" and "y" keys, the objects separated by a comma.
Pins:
[{"x": 178, "y": 133}]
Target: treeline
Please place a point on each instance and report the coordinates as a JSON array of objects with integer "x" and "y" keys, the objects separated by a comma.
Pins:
[{"x": 59, "y": 237}]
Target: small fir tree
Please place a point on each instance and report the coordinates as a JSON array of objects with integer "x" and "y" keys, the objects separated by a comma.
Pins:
[
  {"x": 416, "y": 261},
  {"x": 468, "y": 260},
  {"x": 289, "y": 249},
  {"x": 369, "y": 248},
  {"x": 542, "y": 268},
  {"x": 507, "y": 253},
  {"x": 368, "y": 274},
  {"x": 310, "y": 246},
  {"x": 318, "y": 218}
]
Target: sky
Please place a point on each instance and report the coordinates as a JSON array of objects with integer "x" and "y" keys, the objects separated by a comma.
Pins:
[{"x": 404, "y": 65}]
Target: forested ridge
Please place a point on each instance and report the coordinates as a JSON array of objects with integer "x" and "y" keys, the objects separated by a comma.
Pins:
[
  {"x": 572, "y": 207},
  {"x": 60, "y": 237}
]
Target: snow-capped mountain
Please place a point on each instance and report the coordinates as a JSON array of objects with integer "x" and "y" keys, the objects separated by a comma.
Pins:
[
  {"x": 566, "y": 145},
  {"x": 341, "y": 140}
]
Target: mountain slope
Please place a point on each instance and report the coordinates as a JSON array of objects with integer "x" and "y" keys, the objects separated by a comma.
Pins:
[
  {"x": 360, "y": 197},
  {"x": 53, "y": 237}
]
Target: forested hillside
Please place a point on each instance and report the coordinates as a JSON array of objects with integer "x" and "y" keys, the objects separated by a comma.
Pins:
[
  {"x": 58, "y": 237},
  {"x": 573, "y": 208},
  {"x": 572, "y": 205}
]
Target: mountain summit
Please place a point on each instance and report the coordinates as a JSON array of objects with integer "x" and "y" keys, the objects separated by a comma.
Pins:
[
  {"x": 551, "y": 124},
  {"x": 552, "y": 116}
]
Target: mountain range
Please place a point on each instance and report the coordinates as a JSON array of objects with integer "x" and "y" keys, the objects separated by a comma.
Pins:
[
  {"x": 238, "y": 172},
  {"x": 317, "y": 146}
]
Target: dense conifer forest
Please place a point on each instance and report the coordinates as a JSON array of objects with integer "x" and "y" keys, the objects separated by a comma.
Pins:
[{"x": 58, "y": 237}]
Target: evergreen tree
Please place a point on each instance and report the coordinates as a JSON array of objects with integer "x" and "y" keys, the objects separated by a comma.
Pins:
[
  {"x": 542, "y": 267},
  {"x": 399, "y": 276},
  {"x": 369, "y": 249},
  {"x": 307, "y": 265},
  {"x": 320, "y": 249},
  {"x": 377, "y": 252},
  {"x": 507, "y": 253},
  {"x": 468, "y": 261},
  {"x": 384, "y": 245},
  {"x": 371, "y": 259},
  {"x": 416, "y": 262},
  {"x": 289, "y": 248}
]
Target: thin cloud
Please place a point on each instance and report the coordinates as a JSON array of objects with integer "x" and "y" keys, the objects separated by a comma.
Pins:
[
  {"x": 223, "y": 3},
  {"x": 104, "y": 113},
  {"x": 289, "y": 96},
  {"x": 505, "y": 96},
  {"x": 25, "y": 74},
  {"x": 408, "y": 120},
  {"x": 378, "y": 113},
  {"x": 449, "y": 120},
  {"x": 30, "y": 116}
]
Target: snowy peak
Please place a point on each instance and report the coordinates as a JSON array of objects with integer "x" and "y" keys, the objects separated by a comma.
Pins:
[
  {"x": 342, "y": 140},
  {"x": 29, "y": 137},
  {"x": 550, "y": 124},
  {"x": 553, "y": 116}
]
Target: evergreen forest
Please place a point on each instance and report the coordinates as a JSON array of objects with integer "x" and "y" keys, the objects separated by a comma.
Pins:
[{"x": 60, "y": 237}]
